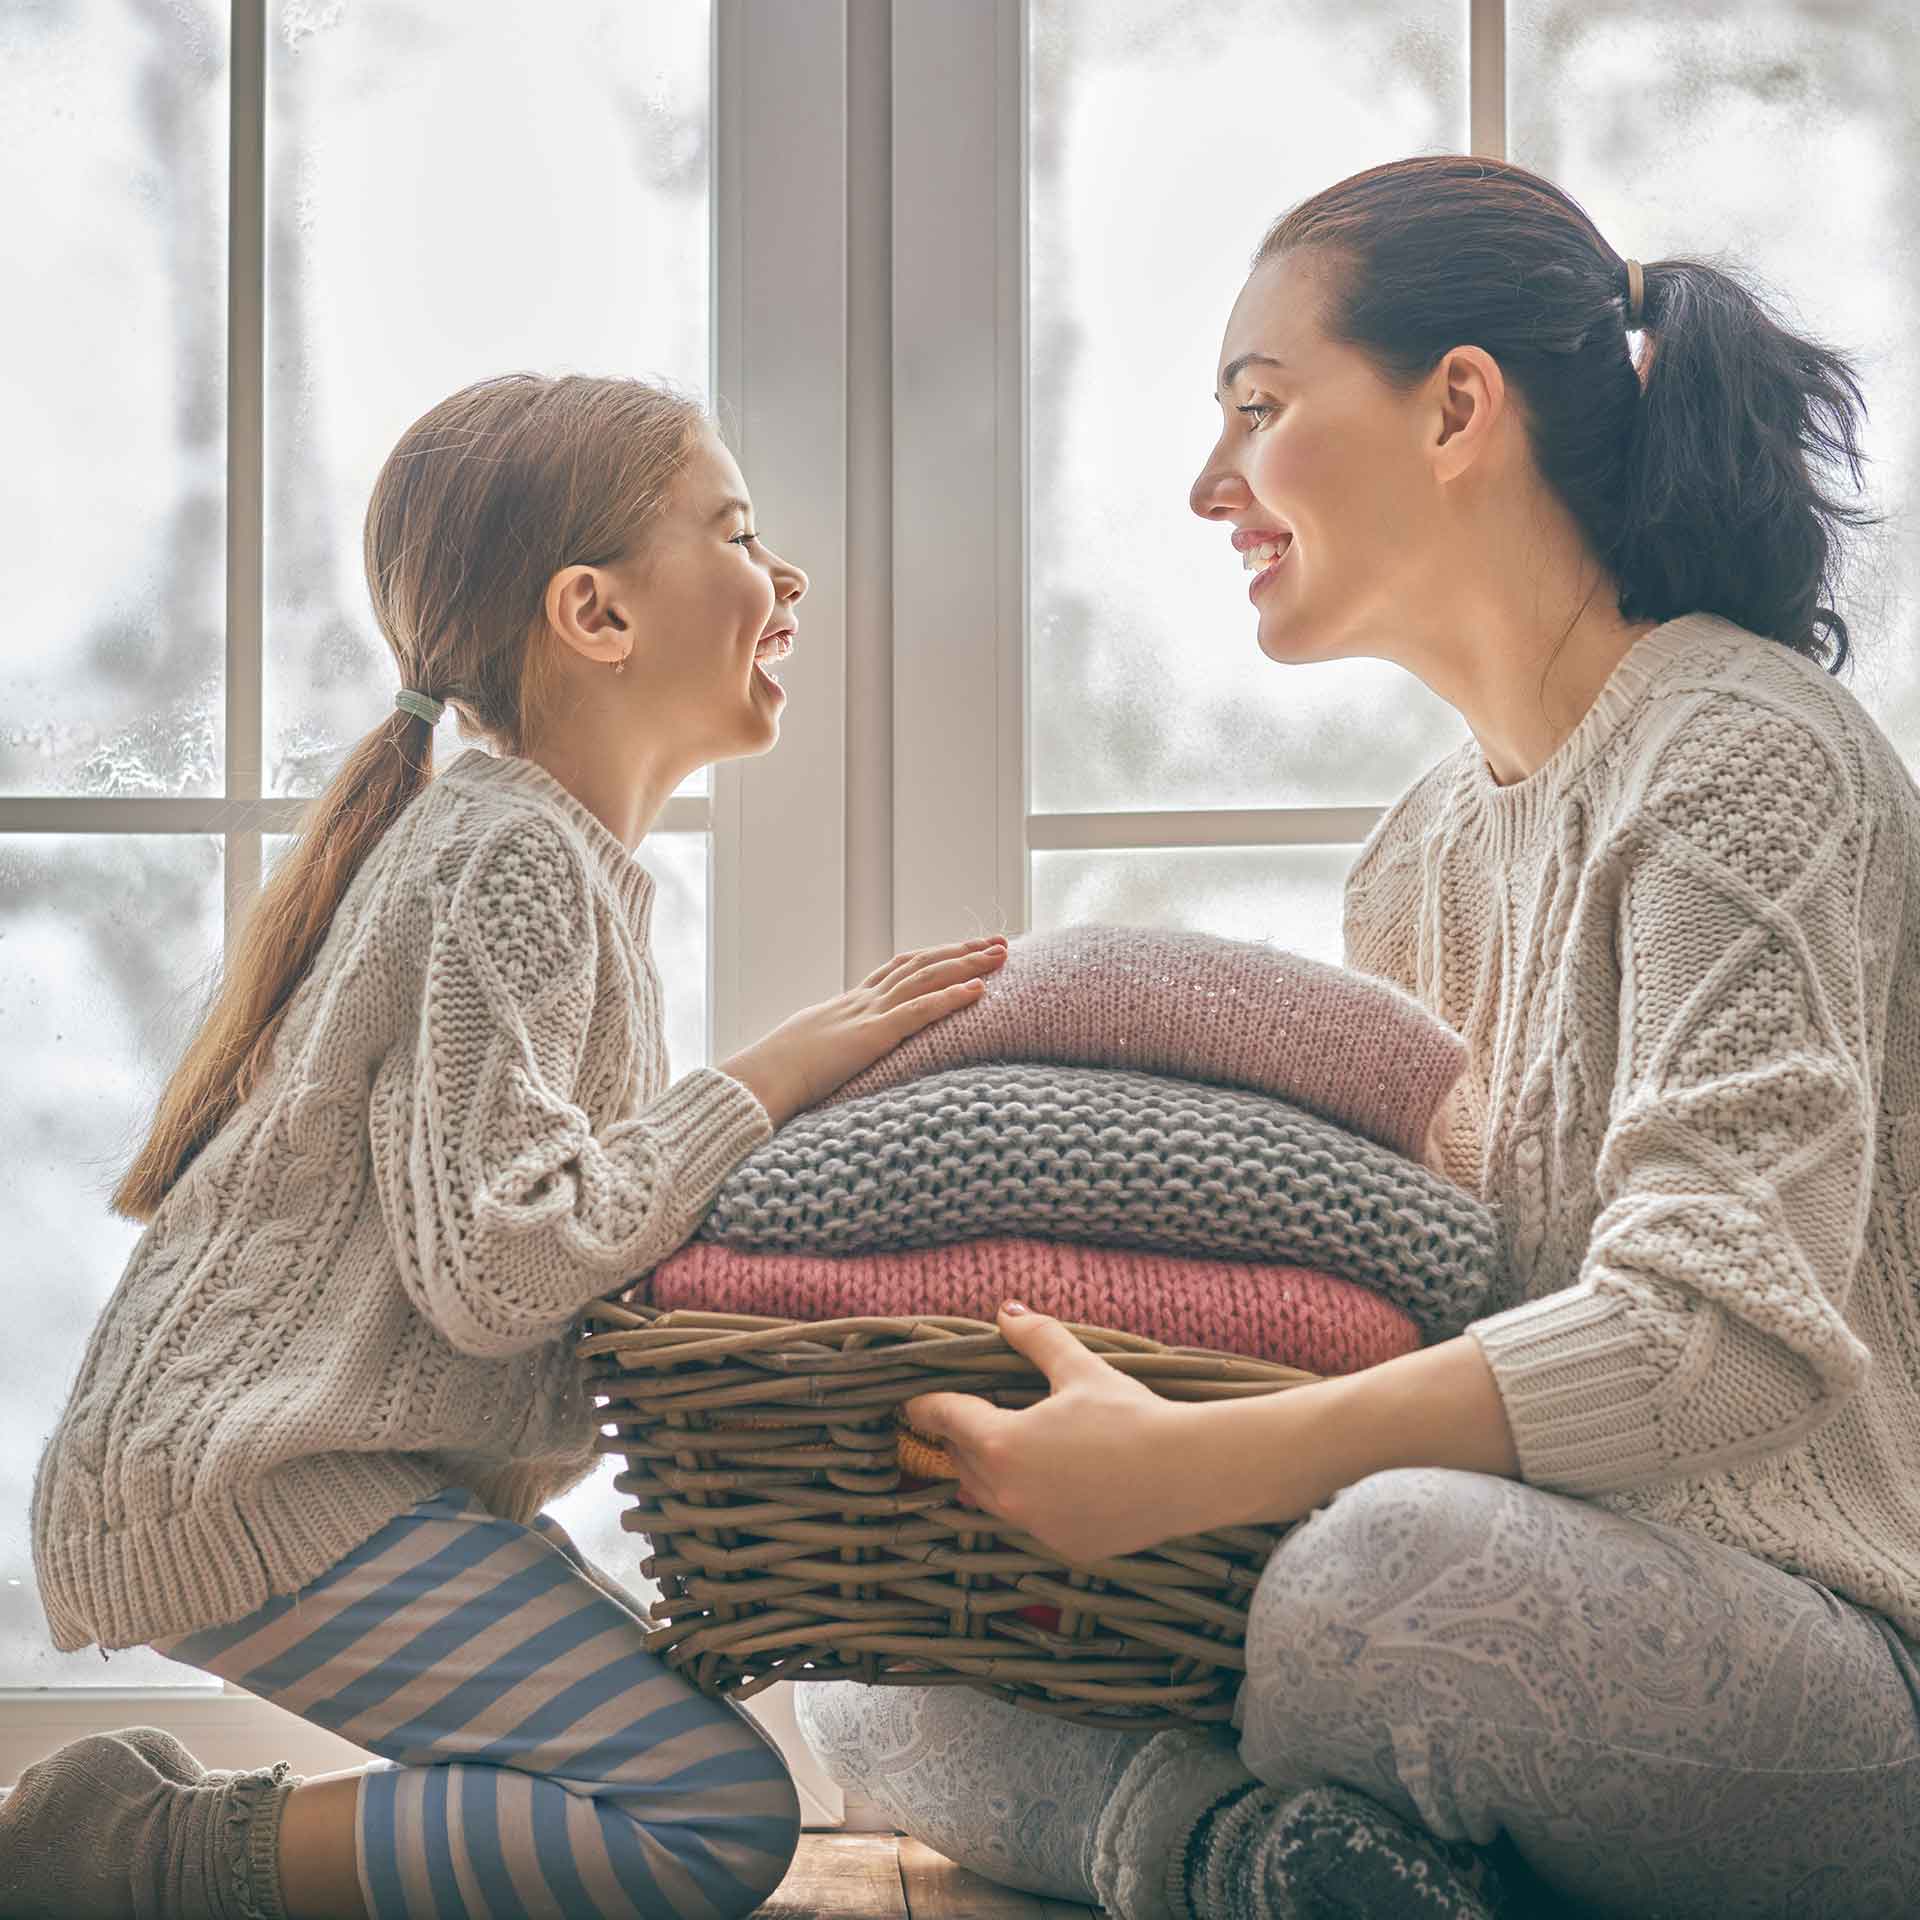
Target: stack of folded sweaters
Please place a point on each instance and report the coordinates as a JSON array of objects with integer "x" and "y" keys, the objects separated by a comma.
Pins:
[{"x": 1212, "y": 1142}]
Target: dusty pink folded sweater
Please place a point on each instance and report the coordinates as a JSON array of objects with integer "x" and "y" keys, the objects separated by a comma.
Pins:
[
  {"x": 1289, "y": 1314},
  {"x": 1345, "y": 1045}
]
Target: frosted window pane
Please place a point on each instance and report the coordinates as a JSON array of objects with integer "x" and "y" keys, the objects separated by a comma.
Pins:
[
  {"x": 113, "y": 172},
  {"x": 1286, "y": 896},
  {"x": 1156, "y": 166},
  {"x": 679, "y": 865},
  {"x": 1782, "y": 139},
  {"x": 452, "y": 192},
  {"x": 107, "y": 950}
]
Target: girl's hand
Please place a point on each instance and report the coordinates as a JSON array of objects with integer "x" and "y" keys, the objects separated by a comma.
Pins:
[
  {"x": 820, "y": 1048},
  {"x": 1095, "y": 1470}
]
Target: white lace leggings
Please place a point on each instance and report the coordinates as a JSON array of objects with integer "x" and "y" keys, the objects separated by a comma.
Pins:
[{"x": 1660, "y": 1725}]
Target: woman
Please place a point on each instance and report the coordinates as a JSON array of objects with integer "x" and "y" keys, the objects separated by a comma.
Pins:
[{"x": 1613, "y": 1599}]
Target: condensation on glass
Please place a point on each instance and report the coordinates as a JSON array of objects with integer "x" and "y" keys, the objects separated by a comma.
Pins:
[
  {"x": 109, "y": 945},
  {"x": 453, "y": 192},
  {"x": 1164, "y": 139},
  {"x": 113, "y": 172},
  {"x": 1780, "y": 143},
  {"x": 1286, "y": 896}
]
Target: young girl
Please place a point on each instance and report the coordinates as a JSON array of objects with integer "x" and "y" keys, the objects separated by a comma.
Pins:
[
  {"x": 1626, "y": 1579},
  {"x": 426, "y": 1123}
]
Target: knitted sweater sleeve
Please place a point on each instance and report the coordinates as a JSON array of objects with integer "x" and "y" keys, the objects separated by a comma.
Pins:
[
  {"x": 508, "y": 1211},
  {"x": 1707, "y": 1327}
]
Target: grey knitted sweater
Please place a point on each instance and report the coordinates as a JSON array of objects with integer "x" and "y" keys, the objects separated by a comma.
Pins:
[
  {"x": 366, "y": 1285},
  {"x": 1685, "y": 956},
  {"x": 1116, "y": 1157}
]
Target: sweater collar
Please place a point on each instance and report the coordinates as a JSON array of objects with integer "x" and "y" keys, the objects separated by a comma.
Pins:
[
  {"x": 1515, "y": 813},
  {"x": 632, "y": 884}
]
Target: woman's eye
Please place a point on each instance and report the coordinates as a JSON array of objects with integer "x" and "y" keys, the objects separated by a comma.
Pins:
[
  {"x": 738, "y": 537},
  {"x": 1254, "y": 406}
]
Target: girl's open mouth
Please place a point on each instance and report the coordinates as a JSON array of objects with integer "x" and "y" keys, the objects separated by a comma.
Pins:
[{"x": 769, "y": 651}]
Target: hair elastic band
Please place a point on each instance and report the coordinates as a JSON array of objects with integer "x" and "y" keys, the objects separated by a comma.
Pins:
[
  {"x": 1636, "y": 295},
  {"x": 423, "y": 705}
]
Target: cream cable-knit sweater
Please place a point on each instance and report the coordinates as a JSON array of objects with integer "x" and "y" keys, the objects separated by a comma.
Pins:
[
  {"x": 1684, "y": 957},
  {"x": 364, "y": 1287}
]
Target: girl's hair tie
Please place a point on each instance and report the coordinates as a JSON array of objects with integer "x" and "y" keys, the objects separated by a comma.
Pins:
[{"x": 422, "y": 704}]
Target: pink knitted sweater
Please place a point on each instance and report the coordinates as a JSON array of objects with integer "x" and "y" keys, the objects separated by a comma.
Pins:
[
  {"x": 1352, "y": 1048},
  {"x": 1289, "y": 1314}
]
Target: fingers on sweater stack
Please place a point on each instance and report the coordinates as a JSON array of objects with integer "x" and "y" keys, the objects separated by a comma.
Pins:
[{"x": 1211, "y": 1142}]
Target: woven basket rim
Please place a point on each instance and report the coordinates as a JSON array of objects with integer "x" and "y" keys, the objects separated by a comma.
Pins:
[{"x": 949, "y": 1338}]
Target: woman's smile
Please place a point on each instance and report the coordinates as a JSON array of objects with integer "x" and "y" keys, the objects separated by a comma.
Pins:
[{"x": 1271, "y": 568}]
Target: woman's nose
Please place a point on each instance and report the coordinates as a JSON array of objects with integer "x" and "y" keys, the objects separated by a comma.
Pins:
[{"x": 1217, "y": 494}]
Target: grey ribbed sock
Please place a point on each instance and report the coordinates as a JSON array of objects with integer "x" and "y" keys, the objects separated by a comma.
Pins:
[
  {"x": 1140, "y": 1839},
  {"x": 1329, "y": 1853},
  {"x": 129, "y": 1823}
]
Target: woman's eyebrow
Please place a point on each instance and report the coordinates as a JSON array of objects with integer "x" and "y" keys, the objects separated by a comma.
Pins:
[
  {"x": 732, "y": 504},
  {"x": 1246, "y": 360}
]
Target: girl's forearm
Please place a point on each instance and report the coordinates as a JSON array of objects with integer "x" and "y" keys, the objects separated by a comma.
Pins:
[{"x": 1272, "y": 1460}]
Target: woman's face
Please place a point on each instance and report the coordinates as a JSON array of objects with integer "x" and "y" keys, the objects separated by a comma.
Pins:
[
  {"x": 1318, "y": 448},
  {"x": 689, "y": 618}
]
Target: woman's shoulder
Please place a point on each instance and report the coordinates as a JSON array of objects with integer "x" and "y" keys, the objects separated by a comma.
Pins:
[{"x": 1738, "y": 725}]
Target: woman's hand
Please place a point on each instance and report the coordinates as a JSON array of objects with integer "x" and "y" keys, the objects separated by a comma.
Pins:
[
  {"x": 820, "y": 1048},
  {"x": 1095, "y": 1470}
]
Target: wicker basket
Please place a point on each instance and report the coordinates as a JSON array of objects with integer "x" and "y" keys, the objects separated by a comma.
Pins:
[{"x": 763, "y": 1456}]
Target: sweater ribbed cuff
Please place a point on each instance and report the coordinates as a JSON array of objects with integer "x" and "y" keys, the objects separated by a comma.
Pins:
[
  {"x": 706, "y": 1124},
  {"x": 1580, "y": 1392}
]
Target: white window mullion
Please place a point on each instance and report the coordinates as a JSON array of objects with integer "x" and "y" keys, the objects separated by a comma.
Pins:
[
  {"x": 777, "y": 923},
  {"x": 780, "y": 377},
  {"x": 1487, "y": 78},
  {"x": 1197, "y": 827},
  {"x": 246, "y": 451},
  {"x": 959, "y": 432}
]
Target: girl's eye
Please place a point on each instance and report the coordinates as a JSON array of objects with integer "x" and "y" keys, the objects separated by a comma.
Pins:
[
  {"x": 1254, "y": 406},
  {"x": 738, "y": 537}
]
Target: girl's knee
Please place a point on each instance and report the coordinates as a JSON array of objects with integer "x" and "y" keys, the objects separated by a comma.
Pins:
[
  {"x": 735, "y": 1847},
  {"x": 725, "y": 1824}
]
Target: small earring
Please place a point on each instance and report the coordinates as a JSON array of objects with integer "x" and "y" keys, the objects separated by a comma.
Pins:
[{"x": 620, "y": 665}]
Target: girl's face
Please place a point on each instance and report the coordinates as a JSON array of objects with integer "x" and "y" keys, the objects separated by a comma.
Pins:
[
  {"x": 1318, "y": 449},
  {"x": 693, "y": 620}
]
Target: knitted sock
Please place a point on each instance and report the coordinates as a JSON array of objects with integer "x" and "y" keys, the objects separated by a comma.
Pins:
[
  {"x": 1330, "y": 1853},
  {"x": 166, "y": 1755},
  {"x": 98, "y": 1829},
  {"x": 1140, "y": 1840}
]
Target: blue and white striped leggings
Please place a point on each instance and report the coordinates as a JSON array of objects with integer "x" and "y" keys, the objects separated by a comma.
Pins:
[{"x": 541, "y": 1762}]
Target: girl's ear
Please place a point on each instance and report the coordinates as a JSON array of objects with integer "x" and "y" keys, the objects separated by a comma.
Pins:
[{"x": 582, "y": 613}]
